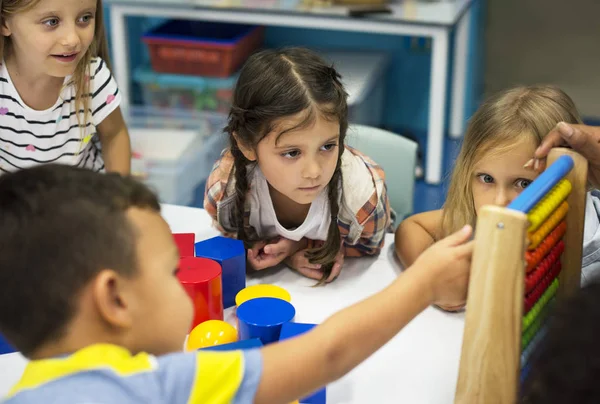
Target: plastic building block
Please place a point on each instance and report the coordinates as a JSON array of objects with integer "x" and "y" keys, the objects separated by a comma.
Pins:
[
  {"x": 290, "y": 330},
  {"x": 234, "y": 346},
  {"x": 211, "y": 333},
  {"x": 263, "y": 317},
  {"x": 5, "y": 347},
  {"x": 231, "y": 255},
  {"x": 262, "y": 290},
  {"x": 185, "y": 244},
  {"x": 201, "y": 279}
]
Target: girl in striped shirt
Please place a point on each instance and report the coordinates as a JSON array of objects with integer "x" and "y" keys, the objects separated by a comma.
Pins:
[
  {"x": 287, "y": 186},
  {"x": 58, "y": 100}
]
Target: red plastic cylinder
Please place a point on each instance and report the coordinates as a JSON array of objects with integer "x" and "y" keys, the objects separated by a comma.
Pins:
[{"x": 201, "y": 279}]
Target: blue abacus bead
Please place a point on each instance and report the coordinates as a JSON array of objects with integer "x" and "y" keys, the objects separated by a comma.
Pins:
[{"x": 263, "y": 317}]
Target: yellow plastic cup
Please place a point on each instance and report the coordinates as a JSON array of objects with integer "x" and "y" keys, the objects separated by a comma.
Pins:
[{"x": 256, "y": 291}]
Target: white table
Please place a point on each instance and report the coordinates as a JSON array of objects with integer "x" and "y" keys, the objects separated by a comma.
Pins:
[
  {"x": 419, "y": 366},
  {"x": 435, "y": 20}
]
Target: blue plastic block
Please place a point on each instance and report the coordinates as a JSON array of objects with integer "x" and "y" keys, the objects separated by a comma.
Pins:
[
  {"x": 263, "y": 318},
  {"x": 290, "y": 330},
  {"x": 319, "y": 397},
  {"x": 235, "y": 346},
  {"x": 231, "y": 255},
  {"x": 5, "y": 347}
]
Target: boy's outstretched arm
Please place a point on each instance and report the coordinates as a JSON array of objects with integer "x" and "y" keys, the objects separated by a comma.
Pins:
[{"x": 297, "y": 367}]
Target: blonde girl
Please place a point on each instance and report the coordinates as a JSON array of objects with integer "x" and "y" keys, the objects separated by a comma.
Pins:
[
  {"x": 501, "y": 138},
  {"x": 58, "y": 100}
]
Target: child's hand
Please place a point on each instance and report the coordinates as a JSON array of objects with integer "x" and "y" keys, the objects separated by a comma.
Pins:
[
  {"x": 446, "y": 265},
  {"x": 300, "y": 263},
  {"x": 267, "y": 254}
]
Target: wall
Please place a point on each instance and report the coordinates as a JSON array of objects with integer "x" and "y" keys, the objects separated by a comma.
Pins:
[{"x": 546, "y": 41}]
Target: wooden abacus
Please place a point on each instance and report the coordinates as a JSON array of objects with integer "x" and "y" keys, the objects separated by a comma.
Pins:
[{"x": 527, "y": 256}]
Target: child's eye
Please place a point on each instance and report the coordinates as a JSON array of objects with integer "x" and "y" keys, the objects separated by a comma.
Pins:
[
  {"x": 329, "y": 146},
  {"x": 86, "y": 19},
  {"x": 486, "y": 178},
  {"x": 292, "y": 154},
  {"x": 52, "y": 22},
  {"x": 523, "y": 183}
]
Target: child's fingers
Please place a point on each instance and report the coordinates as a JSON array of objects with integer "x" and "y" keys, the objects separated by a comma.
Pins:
[
  {"x": 459, "y": 237},
  {"x": 335, "y": 271},
  {"x": 310, "y": 272},
  {"x": 256, "y": 248},
  {"x": 282, "y": 246},
  {"x": 466, "y": 248},
  {"x": 337, "y": 267}
]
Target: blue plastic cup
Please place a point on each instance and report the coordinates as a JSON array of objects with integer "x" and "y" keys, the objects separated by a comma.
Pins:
[{"x": 262, "y": 318}]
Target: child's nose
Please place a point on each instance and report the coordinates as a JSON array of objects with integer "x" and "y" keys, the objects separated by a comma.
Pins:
[
  {"x": 502, "y": 197},
  {"x": 312, "y": 169},
  {"x": 70, "y": 38}
]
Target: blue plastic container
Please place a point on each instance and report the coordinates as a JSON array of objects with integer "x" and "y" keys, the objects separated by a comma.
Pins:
[{"x": 263, "y": 318}]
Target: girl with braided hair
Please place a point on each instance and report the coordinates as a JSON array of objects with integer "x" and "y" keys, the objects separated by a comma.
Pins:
[{"x": 287, "y": 186}]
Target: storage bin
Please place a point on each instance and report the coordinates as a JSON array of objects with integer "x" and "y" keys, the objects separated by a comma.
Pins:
[
  {"x": 189, "y": 93},
  {"x": 364, "y": 77},
  {"x": 173, "y": 161},
  {"x": 201, "y": 48}
]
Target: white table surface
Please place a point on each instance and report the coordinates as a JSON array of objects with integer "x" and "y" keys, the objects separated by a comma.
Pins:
[{"x": 420, "y": 365}]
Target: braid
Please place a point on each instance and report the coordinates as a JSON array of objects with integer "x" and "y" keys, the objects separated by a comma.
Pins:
[
  {"x": 240, "y": 162},
  {"x": 325, "y": 255}
]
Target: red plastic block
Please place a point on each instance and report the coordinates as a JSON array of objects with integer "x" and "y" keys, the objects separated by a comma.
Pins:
[
  {"x": 201, "y": 279},
  {"x": 185, "y": 243}
]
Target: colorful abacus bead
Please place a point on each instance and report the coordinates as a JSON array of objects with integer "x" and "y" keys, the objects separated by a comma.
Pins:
[
  {"x": 548, "y": 204},
  {"x": 533, "y": 278},
  {"x": 540, "y": 234},
  {"x": 536, "y": 256}
]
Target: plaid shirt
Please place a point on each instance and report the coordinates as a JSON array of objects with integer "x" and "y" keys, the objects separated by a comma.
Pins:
[{"x": 364, "y": 218}]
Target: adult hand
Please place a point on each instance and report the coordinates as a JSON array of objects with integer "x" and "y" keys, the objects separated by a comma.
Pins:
[{"x": 584, "y": 139}]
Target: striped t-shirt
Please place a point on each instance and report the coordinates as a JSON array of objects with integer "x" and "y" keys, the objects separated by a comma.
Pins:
[
  {"x": 108, "y": 374},
  {"x": 29, "y": 137}
]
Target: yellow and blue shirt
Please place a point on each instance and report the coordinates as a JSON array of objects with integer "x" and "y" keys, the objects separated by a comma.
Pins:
[{"x": 103, "y": 374}]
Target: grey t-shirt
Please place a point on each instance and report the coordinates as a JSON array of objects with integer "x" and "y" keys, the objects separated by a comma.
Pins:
[{"x": 591, "y": 240}]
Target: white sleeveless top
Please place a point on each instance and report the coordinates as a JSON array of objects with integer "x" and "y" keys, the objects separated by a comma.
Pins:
[{"x": 264, "y": 219}]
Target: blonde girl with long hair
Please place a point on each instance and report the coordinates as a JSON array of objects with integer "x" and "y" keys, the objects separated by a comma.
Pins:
[
  {"x": 491, "y": 168},
  {"x": 58, "y": 100}
]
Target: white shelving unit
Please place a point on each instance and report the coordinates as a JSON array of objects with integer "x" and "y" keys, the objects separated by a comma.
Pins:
[{"x": 433, "y": 19}]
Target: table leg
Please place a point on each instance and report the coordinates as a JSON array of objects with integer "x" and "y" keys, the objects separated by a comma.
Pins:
[
  {"x": 437, "y": 106},
  {"x": 461, "y": 43},
  {"x": 118, "y": 35}
]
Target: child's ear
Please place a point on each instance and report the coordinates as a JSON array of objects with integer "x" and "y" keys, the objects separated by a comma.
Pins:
[
  {"x": 248, "y": 152},
  {"x": 111, "y": 299},
  {"x": 4, "y": 29}
]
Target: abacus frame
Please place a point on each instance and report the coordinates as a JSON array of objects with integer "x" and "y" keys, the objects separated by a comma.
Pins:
[{"x": 491, "y": 350}]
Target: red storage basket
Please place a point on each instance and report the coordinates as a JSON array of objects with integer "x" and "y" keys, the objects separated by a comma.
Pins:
[{"x": 201, "y": 48}]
